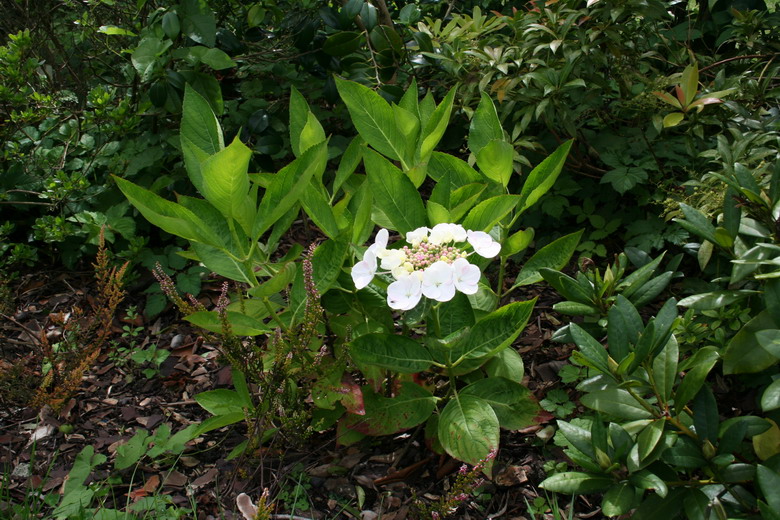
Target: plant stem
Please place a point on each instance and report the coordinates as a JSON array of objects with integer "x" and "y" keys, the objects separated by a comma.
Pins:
[{"x": 274, "y": 316}]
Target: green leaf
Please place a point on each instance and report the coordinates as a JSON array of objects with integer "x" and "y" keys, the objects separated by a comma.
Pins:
[
  {"x": 647, "y": 292},
  {"x": 511, "y": 401},
  {"x": 623, "y": 328},
  {"x": 542, "y": 178},
  {"x": 223, "y": 263},
  {"x": 342, "y": 43},
  {"x": 495, "y": 161},
  {"x": 673, "y": 119},
  {"x": 618, "y": 500},
  {"x": 131, "y": 452},
  {"x": 199, "y": 124},
  {"x": 715, "y": 299},
  {"x": 460, "y": 172},
  {"x": 288, "y": 186},
  {"x": 220, "y": 402},
  {"x": 591, "y": 349},
  {"x": 575, "y": 483},
  {"x": 744, "y": 353},
  {"x": 454, "y": 315},
  {"x": 508, "y": 364},
  {"x": 373, "y": 118},
  {"x": 690, "y": 82},
  {"x": 218, "y": 421},
  {"x": 485, "y": 125},
  {"x": 316, "y": 204},
  {"x": 487, "y": 213},
  {"x": 146, "y": 57},
  {"x": 697, "y": 223},
  {"x": 436, "y": 125},
  {"x": 468, "y": 429},
  {"x": 624, "y": 178},
  {"x": 327, "y": 262},
  {"x": 701, "y": 362},
  {"x": 517, "y": 242},
  {"x": 616, "y": 402},
  {"x": 554, "y": 255},
  {"x": 665, "y": 368},
  {"x": 705, "y": 415},
  {"x": 649, "y": 437},
  {"x": 411, "y": 406},
  {"x": 769, "y": 482},
  {"x": 770, "y": 399},
  {"x": 217, "y": 59},
  {"x": 169, "y": 216},
  {"x": 394, "y": 193},
  {"x": 240, "y": 324},
  {"x": 226, "y": 183},
  {"x": 494, "y": 332},
  {"x": 576, "y": 309},
  {"x": 567, "y": 286},
  {"x": 113, "y": 30},
  {"x": 646, "y": 480},
  {"x": 390, "y": 352},
  {"x": 198, "y": 21},
  {"x": 350, "y": 160}
]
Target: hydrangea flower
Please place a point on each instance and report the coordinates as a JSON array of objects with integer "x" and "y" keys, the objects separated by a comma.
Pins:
[{"x": 433, "y": 264}]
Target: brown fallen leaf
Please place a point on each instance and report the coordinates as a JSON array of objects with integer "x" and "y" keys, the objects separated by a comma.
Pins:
[{"x": 148, "y": 488}]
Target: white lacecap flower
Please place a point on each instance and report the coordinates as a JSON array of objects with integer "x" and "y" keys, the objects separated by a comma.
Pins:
[
  {"x": 418, "y": 235},
  {"x": 363, "y": 272},
  {"x": 406, "y": 292},
  {"x": 392, "y": 258},
  {"x": 402, "y": 270},
  {"x": 483, "y": 244},
  {"x": 465, "y": 276},
  {"x": 438, "y": 281},
  {"x": 445, "y": 233},
  {"x": 380, "y": 243}
]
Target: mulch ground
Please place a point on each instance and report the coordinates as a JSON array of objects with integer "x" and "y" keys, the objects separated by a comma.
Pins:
[{"x": 376, "y": 479}]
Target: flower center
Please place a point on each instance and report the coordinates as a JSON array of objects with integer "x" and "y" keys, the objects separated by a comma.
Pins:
[{"x": 424, "y": 254}]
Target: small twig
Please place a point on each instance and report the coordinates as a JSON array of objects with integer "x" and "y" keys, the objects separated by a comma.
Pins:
[{"x": 734, "y": 58}]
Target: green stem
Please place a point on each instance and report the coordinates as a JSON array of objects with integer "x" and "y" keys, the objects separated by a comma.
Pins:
[
  {"x": 274, "y": 316},
  {"x": 501, "y": 274}
]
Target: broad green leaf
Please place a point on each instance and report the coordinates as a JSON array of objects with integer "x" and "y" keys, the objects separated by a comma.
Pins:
[
  {"x": 665, "y": 368},
  {"x": 624, "y": 178},
  {"x": 715, "y": 299},
  {"x": 615, "y": 402},
  {"x": 305, "y": 129},
  {"x": 618, "y": 499},
  {"x": 591, "y": 349},
  {"x": 223, "y": 263},
  {"x": 494, "y": 332},
  {"x": 690, "y": 82},
  {"x": 487, "y": 213},
  {"x": 767, "y": 444},
  {"x": 454, "y": 314},
  {"x": 507, "y": 363},
  {"x": 411, "y": 406},
  {"x": 217, "y": 59},
  {"x": 315, "y": 202},
  {"x": 327, "y": 262},
  {"x": 649, "y": 437},
  {"x": 220, "y": 402},
  {"x": 207, "y": 86},
  {"x": 567, "y": 286},
  {"x": 769, "y": 482},
  {"x": 193, "y": 157},
  {"x": 468, "y": 429},
  {"x": 495, "y": 161},
  {"x": 437, "y": 214},
  {"x": 697, "y": 223},
  {"x": 485, "y": 125},
  {"x": 199, "y": 124},
  {"x": 701, "y": 363},
  {"x": 575, "y": 483},
  {"x": 460, "y": 172},
  {"x": 542, "y": 178},
  {"x": 342, "y": 43},
  {"x": 744, "y": 353},
  {"x": 350, "y": 160},
  {"x": 147, "y": 56},
  {"x": 517, "y": 242},
  {"x": 578, "y": 437},
  {"x": 623, "y": 328},
  {"x": 705, "y": 415},
  {"x": 169, "y": 216},
  {"x": 408, "y": 125},
  {"x": 554, "y": 255},
  {"x": 576, "y": 309},
  {"x": 391, "y": 352},
  {"x": 218, "y": 421},
  {"x": 511, "y": 401},
  {"x": 226, "y": 183},
  {"x": 435, "y": 126},
  {"x": 240, "y": 324},
  {"x": 288, "y": 185},
  {"x": 673, "y": 119},
  {"x": 770, "y": 399},
  {"x": 657, "y": 508},
  {"x": 276, "y": 283},
  {"x": 129, "y": 453},
  {"x": 646, "y": 480},
  {"x": 373, "y": 118},
  {"x": 198, "y": 21},
  {"x": 647, "y": 292},
  {"x": 394, "y": 193}
]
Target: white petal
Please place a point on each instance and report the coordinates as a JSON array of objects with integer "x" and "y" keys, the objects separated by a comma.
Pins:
[
  {"x": 392, "y": 258},
  {"x": 363, "y": 271},
  {"x": 483, "y": 244},
  {"x": 417, "y": 236},
  {"x": 437, "y": 280},
  {"x": 404, "y": 293},
  {"x": 466, "y": 276},
  {"x": 458, "y": 233}
]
